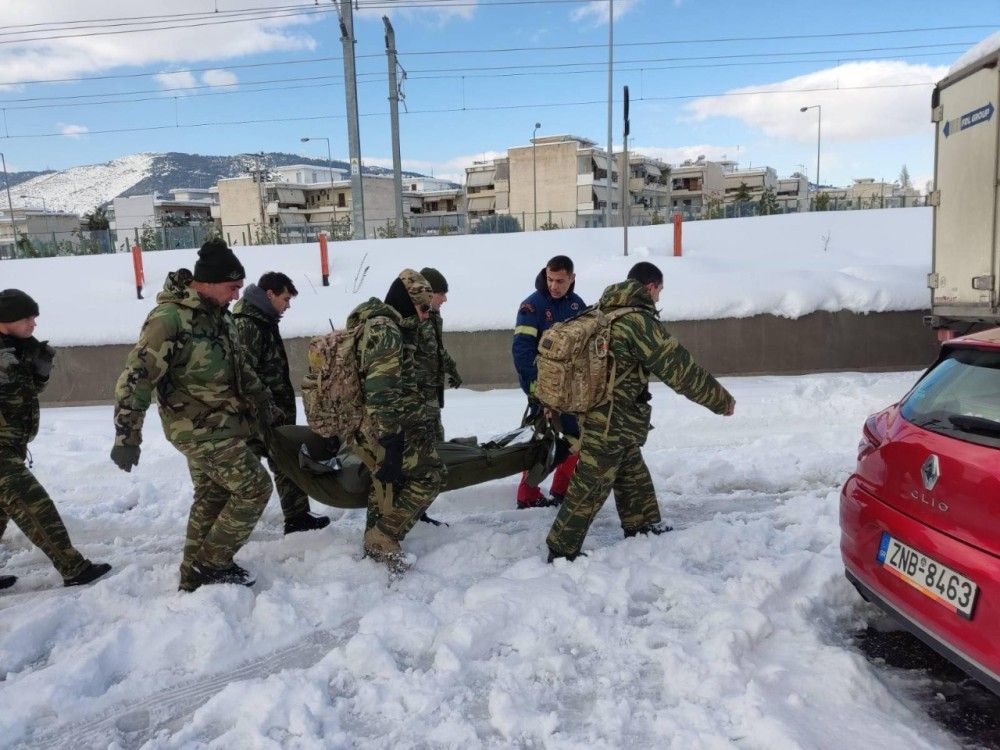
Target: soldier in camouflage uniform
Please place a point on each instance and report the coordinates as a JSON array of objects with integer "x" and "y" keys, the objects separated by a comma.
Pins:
[
  {"x": 406, "y": 469},
  {"x": 25, "y": 365},
  {"x": 255, "y": 319},
  {"x": 208, "y": 398},
  {"x": 435, "y": 367},
  {"x": 614, "y": 432}
]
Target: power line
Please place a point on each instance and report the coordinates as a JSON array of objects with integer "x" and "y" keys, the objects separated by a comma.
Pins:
[
  {"x": 476, "y": 72},
  {"x": 549, "y": 48},
  {"x": 490, "y": 108}
]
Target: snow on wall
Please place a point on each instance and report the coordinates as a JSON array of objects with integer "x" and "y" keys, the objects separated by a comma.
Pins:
[
  {"x": 790, "y": 265},
  {"x": 989, "y": 45}
]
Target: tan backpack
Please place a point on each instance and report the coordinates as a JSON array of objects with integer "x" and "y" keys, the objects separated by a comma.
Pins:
[
  {"x": 332, "y": 392},
  {"x": 575, "y": 369}
]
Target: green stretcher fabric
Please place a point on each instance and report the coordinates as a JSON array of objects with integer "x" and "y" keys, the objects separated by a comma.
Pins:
[{"x": 467, "y": 463}]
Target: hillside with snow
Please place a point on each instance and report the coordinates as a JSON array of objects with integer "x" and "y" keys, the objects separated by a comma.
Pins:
[{"x": 79, "y": 189}]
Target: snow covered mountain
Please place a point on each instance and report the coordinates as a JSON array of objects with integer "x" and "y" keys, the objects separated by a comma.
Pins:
[{"x": 80, "y": 189}]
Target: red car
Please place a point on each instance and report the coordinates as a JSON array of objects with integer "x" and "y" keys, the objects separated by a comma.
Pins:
[{"x": 920, "y": 517}]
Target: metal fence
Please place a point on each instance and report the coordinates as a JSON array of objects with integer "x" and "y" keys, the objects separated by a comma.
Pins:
[{"x": 87, "y": 242}]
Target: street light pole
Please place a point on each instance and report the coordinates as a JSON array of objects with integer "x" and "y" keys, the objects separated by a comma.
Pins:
[
  {"x": 329, "y": 157},
  {"x": 10, "y": 202},
  {"x": 534, "y": 179},
  {"x": 819, "y": 133}
]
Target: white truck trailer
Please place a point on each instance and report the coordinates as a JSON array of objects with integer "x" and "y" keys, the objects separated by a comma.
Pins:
[{"x": 965, "y": 271}]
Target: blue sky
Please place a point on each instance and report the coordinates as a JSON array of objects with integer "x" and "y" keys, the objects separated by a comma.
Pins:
[{"x": 692, "y": 93}]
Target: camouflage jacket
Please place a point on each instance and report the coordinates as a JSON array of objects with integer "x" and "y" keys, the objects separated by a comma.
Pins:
[
  {"x": 19, "y": 389},
  {"x": 257, "y": 332},
  {"x": 642, "y": 347},
  {"x": 187, "y": 352},
  {"x": 434, "y": 364},
  {"x": 386, "y": 364}
]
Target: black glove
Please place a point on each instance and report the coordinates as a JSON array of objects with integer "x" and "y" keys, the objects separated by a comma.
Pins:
[
  {"x": 125, "y": 456},
  {"x": 43, "y": 359},
  {"x": 390, "y": 470}
]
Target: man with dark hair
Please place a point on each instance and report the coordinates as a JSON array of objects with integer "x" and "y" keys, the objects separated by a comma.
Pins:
[
  {"x": 552, "y": 302},
  {"x": 25, "y": 365},
  {"x": 207, "y": 395},
  {"x": 407, "y": 472},
  {"x": 615, "y": 431},
  {"x": 255, "y": 321}
]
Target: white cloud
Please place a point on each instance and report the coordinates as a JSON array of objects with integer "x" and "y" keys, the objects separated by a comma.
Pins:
[
  {"x": 849, "y": 114},
  {"x": 178, "y": 80},
  {"x": 73, "y": 131},
  {"x": 89, "y": 54},
  {"x": 596, "y": 11},
  {"x": 219, "y": 78}
]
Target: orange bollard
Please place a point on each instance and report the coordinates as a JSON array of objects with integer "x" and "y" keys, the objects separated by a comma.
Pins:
[
  {"x": 140, "y": 277},
  {"x": 324, "y": 259},
  {"x": 677, "y": 234}
]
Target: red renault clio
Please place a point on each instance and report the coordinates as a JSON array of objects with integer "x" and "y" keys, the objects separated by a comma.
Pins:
[{"x": 920, "y": 517}]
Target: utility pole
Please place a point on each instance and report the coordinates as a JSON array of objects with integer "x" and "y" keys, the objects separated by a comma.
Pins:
[
  {"x": 394, "y": 96},
  {"x": 346, "y": 13},
  {"x": 625, "y": 173},
  {"x": 611, "y": 114},
  {"x": 10, "y": 203}
]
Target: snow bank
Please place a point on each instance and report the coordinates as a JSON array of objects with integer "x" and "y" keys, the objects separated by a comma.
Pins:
[
  {"x": 791, "y": 265},
  {"x": 733, "y": 630}
]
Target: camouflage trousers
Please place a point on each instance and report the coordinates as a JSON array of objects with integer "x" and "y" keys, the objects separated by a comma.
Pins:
[
  {"x": 604, "y": 466},
  {"x": 432, "y": 421},
  {"x": 25, "y": 502},
  {"x": 396, "y": 508},
  {"x": 231, "y": 489},
  {"x": 294, "y": 502}
]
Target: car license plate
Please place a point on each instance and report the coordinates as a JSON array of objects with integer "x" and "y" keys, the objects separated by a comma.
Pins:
[{"x": 928, "y": 576}]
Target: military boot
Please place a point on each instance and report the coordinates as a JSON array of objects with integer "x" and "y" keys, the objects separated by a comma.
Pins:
[
  {"x": 92, "y": 572},
  {"x": 382, "y": 548},
  {"x": 7, "y": 581},
  {"x": 307, "y": 521},
  {"x": 202, "y": 575},
  {"x": 648, "y": 528}
]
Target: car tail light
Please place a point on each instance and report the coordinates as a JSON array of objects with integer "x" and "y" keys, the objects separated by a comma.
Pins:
[{"x": 872, "y": 435}]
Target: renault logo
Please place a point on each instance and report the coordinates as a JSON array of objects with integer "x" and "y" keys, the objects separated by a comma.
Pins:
[{"x": 930, "y": 472}]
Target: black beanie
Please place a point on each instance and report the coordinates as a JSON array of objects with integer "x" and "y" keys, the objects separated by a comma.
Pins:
[
  {"x": 16, "y": 305},
  {"x": 439, "y": 284},
  {"x": 217, "y": 263}
]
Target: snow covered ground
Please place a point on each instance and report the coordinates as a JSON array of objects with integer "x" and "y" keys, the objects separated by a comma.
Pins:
[
  {"x": 732, "y": 631},
  {"x": 790, "y": 265}
]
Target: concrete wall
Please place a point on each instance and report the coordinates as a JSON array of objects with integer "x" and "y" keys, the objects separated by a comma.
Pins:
[{"x": 763, "y": 344}]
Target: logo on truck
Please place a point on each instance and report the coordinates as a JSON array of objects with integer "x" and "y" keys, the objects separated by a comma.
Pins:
[{"x": 969, "y": 119}]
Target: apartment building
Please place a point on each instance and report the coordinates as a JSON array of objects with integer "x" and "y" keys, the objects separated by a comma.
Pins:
[
  {"x": 793, "y": 193},
  {"x": 433, "y": 206},
  {"x": 47, "y": 231},
  {"x": 757, "y": 181},
  {"x": 487, "y": 189},
  {"x": 649, "y": 188},
  {"x": 696, "y": 187},
  {"x": 182, "y": 207},
  {"x": 867, "y": 192}
]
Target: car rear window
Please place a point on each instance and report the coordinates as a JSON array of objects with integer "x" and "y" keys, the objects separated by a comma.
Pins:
[{"x": 959, "y": 397}]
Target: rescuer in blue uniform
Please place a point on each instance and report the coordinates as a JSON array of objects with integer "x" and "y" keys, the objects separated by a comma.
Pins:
[{"x": 552, "y": 302}]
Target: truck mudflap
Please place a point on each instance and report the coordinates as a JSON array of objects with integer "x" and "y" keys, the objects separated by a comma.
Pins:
[{"x": 338, "y": 478}]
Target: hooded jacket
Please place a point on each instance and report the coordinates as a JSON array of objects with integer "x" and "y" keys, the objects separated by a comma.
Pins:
[
  {"x": 187, "y": 352},
  {"x": 20, "y": 385},
  {"x": 255, "y": 321},
  {"x": 641, "y": 347},
  {"x": 535, "y": 316}
]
